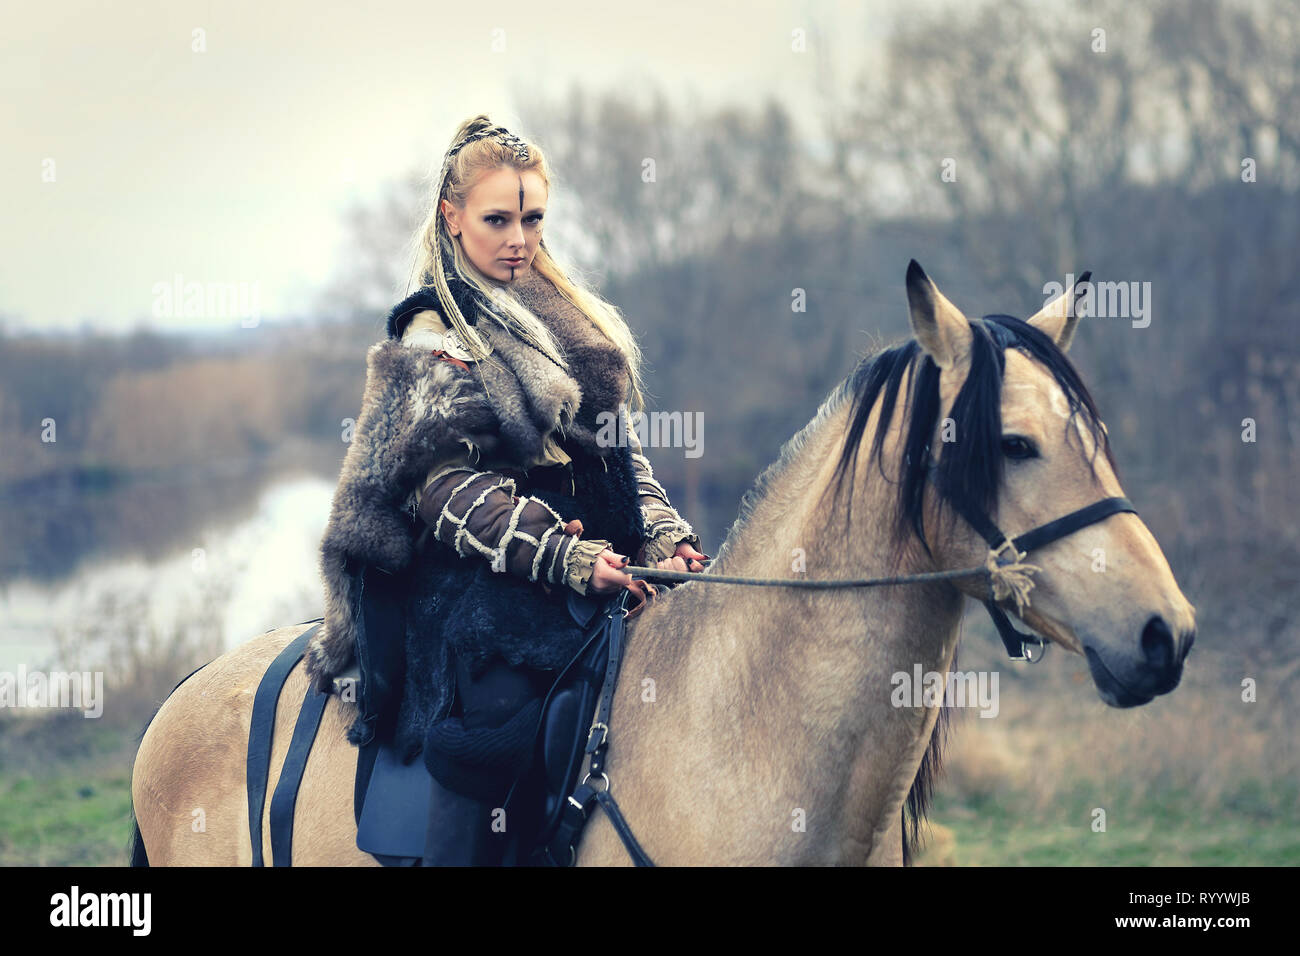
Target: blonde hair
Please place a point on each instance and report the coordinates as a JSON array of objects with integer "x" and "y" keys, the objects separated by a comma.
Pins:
[{"x": 436, "y": 250}]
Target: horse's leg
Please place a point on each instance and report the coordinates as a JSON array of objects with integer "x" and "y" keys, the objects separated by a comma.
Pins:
[{"x": 188, "y": 787}]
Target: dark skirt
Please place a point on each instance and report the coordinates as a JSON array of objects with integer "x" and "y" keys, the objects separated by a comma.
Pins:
[{"x": 459, "y": 612}]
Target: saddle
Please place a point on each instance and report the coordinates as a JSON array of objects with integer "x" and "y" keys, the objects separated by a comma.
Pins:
[{"x": 391, "y": 800}]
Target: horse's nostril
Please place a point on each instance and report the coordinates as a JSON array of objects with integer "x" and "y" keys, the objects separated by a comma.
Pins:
[
  {"x": 1187, "y": 644},
  {"x": 1158, "y": 643}
]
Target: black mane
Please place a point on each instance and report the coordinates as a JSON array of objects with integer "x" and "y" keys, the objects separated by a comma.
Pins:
[{"x": 972, "y": 466}]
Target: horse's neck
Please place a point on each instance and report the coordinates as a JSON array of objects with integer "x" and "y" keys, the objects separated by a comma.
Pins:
[{"x": 763, "y": 703}]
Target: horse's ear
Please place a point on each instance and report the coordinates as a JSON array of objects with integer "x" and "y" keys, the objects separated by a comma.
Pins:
[
  {"x": 1059, "y": 318},
  {"x": 939, "y": 326}
]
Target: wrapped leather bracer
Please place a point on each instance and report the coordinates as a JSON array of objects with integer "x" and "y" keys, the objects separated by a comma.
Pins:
[{"x": 477, "y": 513}]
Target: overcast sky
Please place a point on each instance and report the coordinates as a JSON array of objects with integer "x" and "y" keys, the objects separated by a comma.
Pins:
[{"x": 130, "y": 160}]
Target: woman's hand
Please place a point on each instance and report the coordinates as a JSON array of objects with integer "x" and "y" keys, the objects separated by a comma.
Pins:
[
  {"x": 685, "y": 558},
  {"x": 606, "y": 578}
]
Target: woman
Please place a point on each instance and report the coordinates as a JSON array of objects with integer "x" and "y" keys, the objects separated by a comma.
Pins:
[{"x": 487, "y": 477}]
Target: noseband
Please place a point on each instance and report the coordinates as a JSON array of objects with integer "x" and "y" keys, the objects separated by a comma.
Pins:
[{"x": 1009, "y": 575}]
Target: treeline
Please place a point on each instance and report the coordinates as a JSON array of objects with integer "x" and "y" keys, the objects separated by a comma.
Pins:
[
  {"x": 105, "y": 408},
  {"x": 1002, "y": 147}
]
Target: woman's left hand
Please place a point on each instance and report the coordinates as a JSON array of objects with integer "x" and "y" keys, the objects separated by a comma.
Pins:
[{"x": 685, "y": 558}]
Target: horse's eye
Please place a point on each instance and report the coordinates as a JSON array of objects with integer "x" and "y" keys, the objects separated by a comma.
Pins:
[{"x": 1015, "y": 447}]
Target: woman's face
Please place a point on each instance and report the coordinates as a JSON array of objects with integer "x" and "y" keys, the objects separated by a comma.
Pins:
[{"x": 501, "y": 224}]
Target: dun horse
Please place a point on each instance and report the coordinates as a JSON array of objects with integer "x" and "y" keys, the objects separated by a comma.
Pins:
[{"x": 755, "y": 725}]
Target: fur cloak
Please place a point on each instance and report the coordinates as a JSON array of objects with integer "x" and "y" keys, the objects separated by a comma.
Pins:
[{"x": 415, "y": 409}]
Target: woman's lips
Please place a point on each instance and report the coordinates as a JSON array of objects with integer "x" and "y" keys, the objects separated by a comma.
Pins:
[{"x": 514, "y": 262}]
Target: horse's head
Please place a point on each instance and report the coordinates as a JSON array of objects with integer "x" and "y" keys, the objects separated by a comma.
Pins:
[{"x": 999, "y": 423}]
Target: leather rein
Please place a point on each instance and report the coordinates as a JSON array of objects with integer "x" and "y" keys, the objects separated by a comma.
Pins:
[{"x": 1009, "y": 579}]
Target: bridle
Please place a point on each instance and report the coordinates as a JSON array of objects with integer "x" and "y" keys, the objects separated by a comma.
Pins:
[
  {"x": 1009, "y": 578},
  {"x": 1015, "y": 572}
]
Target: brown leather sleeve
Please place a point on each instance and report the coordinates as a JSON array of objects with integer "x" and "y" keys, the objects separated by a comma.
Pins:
[
  {"x": 665, "y": 528},
  {"x": 478, "y": 513}
]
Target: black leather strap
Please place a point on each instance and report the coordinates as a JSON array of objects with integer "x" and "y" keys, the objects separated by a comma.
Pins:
[
  {"x": 262, "y": 728},
  {"x": 366, "y": 754},
  {"x": 584, "y": 611},
  {"x": 380, "y": 646},
  {"x": 597, "y": 746},
  {"x": 295, "y": 762},
  {"x": 561, "y": 850},
  {"x": 606, "y": 800},
  {"x": 982, "y": 523},
  {"x": 1067, "y": 525},
  {"x": 1014, "y": 640},
  {"x": 1046, "y": 533}
]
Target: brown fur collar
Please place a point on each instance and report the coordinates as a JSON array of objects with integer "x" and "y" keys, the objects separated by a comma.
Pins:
[{"x": 596, "y": 362}]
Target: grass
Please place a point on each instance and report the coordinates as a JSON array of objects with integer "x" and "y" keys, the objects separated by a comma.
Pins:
[
  {"x": 1196, "y": 779},
  {"x": 1251, "y": 827},
  {"x": 65, "y": 792},
  {"x": 65, "y": 787},
  {"x": 65, "y": 780}
]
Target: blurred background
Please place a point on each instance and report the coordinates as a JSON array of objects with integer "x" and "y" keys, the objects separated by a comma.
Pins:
[{"x": 208, "y": 210}]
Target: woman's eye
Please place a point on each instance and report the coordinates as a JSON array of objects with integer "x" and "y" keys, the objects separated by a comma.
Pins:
[
  {"x": 496, "y": 220},
  {"x": 1015, "y": 447}
]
